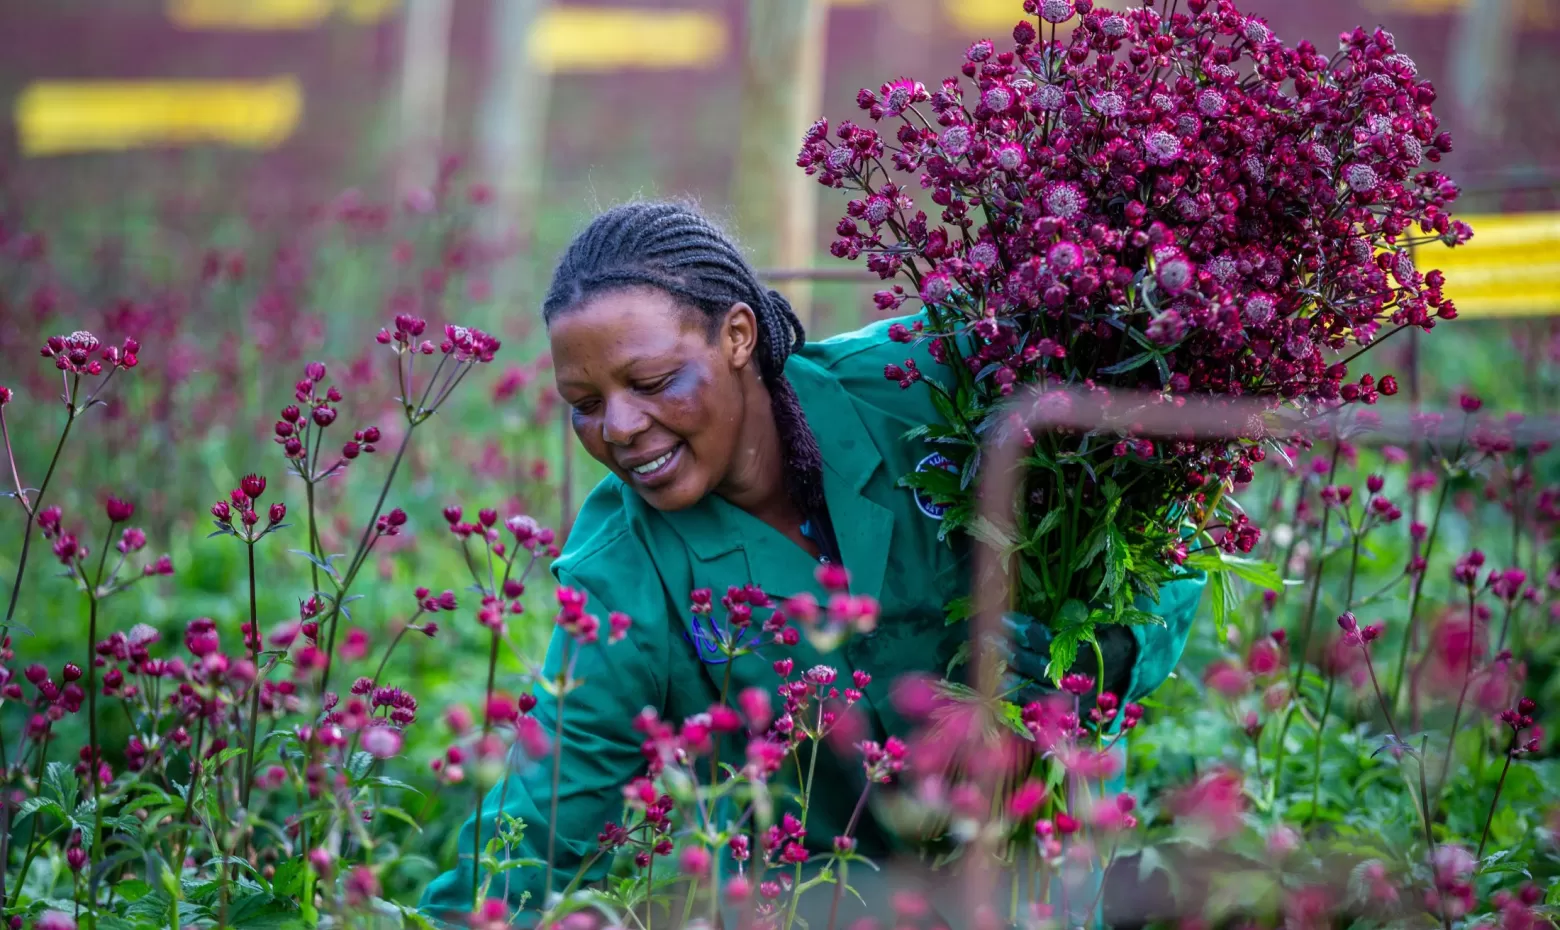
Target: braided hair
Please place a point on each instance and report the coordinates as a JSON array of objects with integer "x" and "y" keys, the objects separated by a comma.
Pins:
[{"x": 677, "y": 250}]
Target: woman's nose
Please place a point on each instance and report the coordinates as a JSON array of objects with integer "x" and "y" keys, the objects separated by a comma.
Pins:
[{"x": 623, "y": 422}]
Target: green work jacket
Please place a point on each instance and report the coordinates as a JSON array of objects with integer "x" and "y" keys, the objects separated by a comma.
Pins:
[{"x": 629, "y": 557}]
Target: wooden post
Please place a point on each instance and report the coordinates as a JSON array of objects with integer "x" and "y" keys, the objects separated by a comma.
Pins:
[
  {"x": 775, "y": 203},
  {"x": 1481, "y": 63},
  {"x": 512, "y": 128},
  {"x": 424, "y": 72}
]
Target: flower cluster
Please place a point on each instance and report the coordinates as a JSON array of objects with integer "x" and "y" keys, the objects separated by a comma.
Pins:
[
  {"x": 315, "y": 410},
  {"x": 237, "y": 515},
  {"x": 1169, "y": 201}
]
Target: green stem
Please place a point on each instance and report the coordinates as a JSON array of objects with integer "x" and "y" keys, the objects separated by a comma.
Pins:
[
  {"x": 248, "y": 773},
  {"x": 1490, "y": 817},
  {"x": 476, "y": 831},
  {"x": 1451, "y": 741},
  {"x": 796, "y": 879},
  {"x": 360, "y": 557},
  {"x": 1321, "y": 731},
  {"x": 557, "y": 770},
  {"x": 31, "y": 511},
  {"x": 94, "y": 765},
  {"x": 1316, "y": 587},
  {"x": 1414, "y": 598}
]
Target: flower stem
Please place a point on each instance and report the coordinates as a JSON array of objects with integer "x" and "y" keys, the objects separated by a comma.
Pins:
[
  {"x": 1490, "y": 817},
  {"x": 248, "y": 780},
  {"x": 476, "y": 832},
  {"x": 1451, "y": 741},
  {"x": 360, "y": 556},
  {"x": 1321, "y": 730},
  {"x": 557, "y": 772},
  {"x": 1414, "y": 598},
  {"x": 1316, "y": 590},
  {"x": 839, "y": 885},
  {"x": 30, "y": 510},
  {"x": 94, "y": 763}
]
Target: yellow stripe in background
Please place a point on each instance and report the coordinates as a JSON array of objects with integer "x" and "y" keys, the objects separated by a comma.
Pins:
[
  {"x": 586, "y": 39},
  {"x": 245, "y": 15},
  {"x": 60, "y": 117},
  {"x": 1510, "y": 268}
]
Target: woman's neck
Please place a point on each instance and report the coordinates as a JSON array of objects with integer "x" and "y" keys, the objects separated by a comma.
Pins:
[{"x": 756, "y": 482}]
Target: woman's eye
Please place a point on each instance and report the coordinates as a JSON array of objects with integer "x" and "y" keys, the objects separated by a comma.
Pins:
[
  {"x": 585, "y": 408},
  {"x": 655, "y": 386}
]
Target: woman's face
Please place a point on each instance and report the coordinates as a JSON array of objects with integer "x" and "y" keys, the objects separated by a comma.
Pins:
[{"x": 654, "y": 398}]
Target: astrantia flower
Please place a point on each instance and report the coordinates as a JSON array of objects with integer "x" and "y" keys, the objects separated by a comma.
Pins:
[
  {"x": 1259, "y": 309},
  {"x": 956, "y": 140},
  {"x": 1211, "y": 103},
  {"x": 1163, "y": 147},
  {"x": 1110, "y": 104},
  {"x": 1010, "y": 156},
  {"x": 1056, "y": 11},
  {"x": 1362, "y": 178},
  {"x": 1049, "y": 97},
  {"x": 1062, "y": 199},
  {"x": 1064, "y": 257},
  {"x": 1174, "y": 271},
  {"x": 899, "y": 95},
  {"x": 1114, "y": 26},
  {"x": 936, "y": 288},
  {"x": 997, "y": 98}
]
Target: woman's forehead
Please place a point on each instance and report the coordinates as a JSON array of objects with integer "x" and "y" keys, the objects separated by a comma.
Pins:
[{"x": 614, "y": 330}]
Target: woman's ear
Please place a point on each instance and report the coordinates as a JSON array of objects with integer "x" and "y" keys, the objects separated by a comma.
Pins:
[{"x": 739, "y": 335}]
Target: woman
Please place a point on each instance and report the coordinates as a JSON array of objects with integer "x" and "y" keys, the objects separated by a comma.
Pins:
[{"x": 740, "y": 454}]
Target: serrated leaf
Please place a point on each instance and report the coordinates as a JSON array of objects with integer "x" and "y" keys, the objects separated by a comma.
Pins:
[
  {"x": 35, "y": 805},
  {"x": 1064, "y": 650},
  {"x": 989, "y": 533},
  {"x": 60, "y": 782},
  {"x": 359, "y": 764}
]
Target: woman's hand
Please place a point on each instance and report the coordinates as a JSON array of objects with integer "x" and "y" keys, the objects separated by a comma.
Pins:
[{"x": 1026, "y": 648}]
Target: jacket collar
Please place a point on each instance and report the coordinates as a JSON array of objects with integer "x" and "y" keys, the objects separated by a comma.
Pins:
[{"x": 714, "y": 528}]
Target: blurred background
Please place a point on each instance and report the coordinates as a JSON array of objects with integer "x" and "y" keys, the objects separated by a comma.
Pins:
[{"x": 248, "y": 185}]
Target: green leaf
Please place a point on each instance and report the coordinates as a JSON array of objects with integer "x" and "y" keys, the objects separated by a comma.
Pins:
[
  {"x": 60, "y": 783},
  {"x": 1220, "y": 596},
  {"x": 132, "y": 889},
  {"x": 992, "y": 535},
  {"x": 1094, "y": 544},
  {"x": 1261, "y": 574},
  {"x": 1064, "y": 650},
  {"x": 359, "y": 765},
  {"x": 397, "y": 813},
  {"x": 960, "y": 609},
  {"x": 226, "y": 756},
  {"x": 36, "y": 805}
]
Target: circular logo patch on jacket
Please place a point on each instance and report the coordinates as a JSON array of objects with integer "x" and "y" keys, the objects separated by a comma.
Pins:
[{"x": 922, "y": 500}]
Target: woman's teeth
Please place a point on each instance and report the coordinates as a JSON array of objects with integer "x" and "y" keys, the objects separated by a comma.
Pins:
[{"x": 649, "y": 467}]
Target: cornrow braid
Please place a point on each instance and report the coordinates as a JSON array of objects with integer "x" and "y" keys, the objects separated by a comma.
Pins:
[{"x": 677, "y": 250}]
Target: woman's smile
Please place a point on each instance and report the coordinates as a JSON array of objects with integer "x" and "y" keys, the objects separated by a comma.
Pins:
[{"x": 656, "y": 471}]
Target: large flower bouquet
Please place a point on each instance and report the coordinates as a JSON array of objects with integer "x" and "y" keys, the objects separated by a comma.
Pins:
[{"x": 1162, "y": 201}]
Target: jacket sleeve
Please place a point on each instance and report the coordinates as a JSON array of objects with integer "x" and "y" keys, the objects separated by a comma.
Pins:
[
  {"x": 1159, "y": 648},
  {"x": 600, "y": 754}
]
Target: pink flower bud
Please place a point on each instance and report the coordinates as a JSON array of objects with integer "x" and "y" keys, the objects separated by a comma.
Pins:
[
  {"x": 253, "y": 486},
  {"x": 118, "y": 510}
]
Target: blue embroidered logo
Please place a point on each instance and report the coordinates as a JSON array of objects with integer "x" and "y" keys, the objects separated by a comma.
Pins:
[
  {"x": 706, "y": 641},
  {"x": 922, "y": 500}
]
